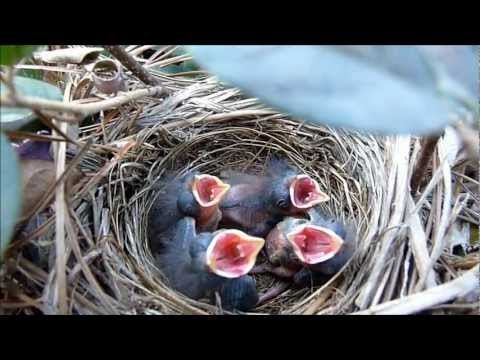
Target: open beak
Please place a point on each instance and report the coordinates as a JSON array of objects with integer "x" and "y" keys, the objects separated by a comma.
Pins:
[
  {"x": 314, "y": 244},
  {"x": 232, "y": 253},
  {"x": 209, "y": 190},
  {"x": 305, "y": 192}
]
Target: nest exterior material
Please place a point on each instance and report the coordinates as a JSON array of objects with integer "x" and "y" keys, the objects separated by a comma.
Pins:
[{"x": 209, "y": 127}]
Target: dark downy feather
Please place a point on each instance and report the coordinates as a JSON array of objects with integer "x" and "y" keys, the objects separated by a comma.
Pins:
[{"x": 239, "y": 294}]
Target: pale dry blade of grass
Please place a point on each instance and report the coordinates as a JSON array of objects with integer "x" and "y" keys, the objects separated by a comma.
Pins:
[
  {"x": 104, "y": 299},
  {"x": 400, "y": 161},
  {"x": 440, "y": 229},
  {"x": 426, "y": 299},
  {"x": 60, "y": 297},
  {"x": 418, "y": 243}
]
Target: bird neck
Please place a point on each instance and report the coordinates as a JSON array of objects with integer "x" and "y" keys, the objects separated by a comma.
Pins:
[
  {"x": 207, "y": 216},
  {"x": 199, "y": 262},
  {"x": 315, "y": 216}
]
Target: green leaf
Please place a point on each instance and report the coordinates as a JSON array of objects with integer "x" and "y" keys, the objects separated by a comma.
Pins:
[
  {"x": 10, "y": 54},
  {"x": 376, "y": 89},
  {"x": 15, "y": 118},
  {"x": 10, "y": 193}
]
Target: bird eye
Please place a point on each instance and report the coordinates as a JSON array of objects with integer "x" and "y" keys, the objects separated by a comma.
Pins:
[{"x": 282, "y": 203}]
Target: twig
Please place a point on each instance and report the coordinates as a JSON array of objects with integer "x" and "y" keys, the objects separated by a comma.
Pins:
[
  {"x": 428, "y": 298},
  {"x": 61, "y": 261},
  {"x": 428, "y": 146},
  {"x": 81, "y": 110},
  {"x": 131, "y": 64},
  {"x": 60, "y": 298},
  {"x": 47, "y": 122},
  {"x": 47, "y": 68}
]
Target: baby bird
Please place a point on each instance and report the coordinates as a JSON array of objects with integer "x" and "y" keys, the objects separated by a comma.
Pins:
[
  {"x": 197, "y": 264},
  {"x": 255, "y": 204},
  {"x": 297, "y": 242},
  {"x": 307, "y": 250},
  {"x": 194, "y": 195}
]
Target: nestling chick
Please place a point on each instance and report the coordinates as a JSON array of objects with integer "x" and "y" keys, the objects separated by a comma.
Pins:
[
  {"x": 255, "y": 204},
  {"x": 194, "y": 195},
  {"x": 307, "y": 252},
  {"x": 198, "y": 264},
  {"x": 319, "y": 245}
]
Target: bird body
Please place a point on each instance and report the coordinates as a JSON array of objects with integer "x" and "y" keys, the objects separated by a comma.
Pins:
[
  {"x": 196, "y": 264},
  {"x": 182, "y": 260}
]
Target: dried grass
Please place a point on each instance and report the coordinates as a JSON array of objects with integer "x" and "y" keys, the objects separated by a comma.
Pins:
[{"x": 101, "y": 262}]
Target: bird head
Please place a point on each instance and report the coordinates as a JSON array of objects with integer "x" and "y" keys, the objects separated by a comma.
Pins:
[
  {"x": 294, "y": 194},
  {"x": 208, "y": 190},
  {"x": 232, "y": 253},
  {"x": 305, "y": 192},
  {"x": 313, "y": 243}
]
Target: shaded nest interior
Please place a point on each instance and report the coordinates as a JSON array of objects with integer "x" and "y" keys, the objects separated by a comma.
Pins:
[{"x": 208, "y": 127}]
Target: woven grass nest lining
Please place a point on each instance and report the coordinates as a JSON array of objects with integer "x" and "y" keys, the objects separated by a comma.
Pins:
[{"x": 210, "y": 128}]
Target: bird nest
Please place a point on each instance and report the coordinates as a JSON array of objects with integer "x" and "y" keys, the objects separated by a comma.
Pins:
[
  {"x": 209, "y": 127},
  {"x": 345, "y": 165}
]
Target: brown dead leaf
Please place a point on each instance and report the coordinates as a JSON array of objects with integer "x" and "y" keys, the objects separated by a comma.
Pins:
[{"x": 37, "y": 177}]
